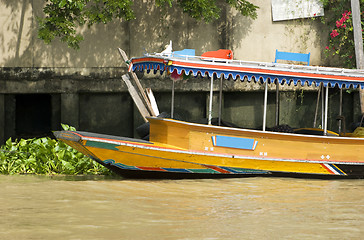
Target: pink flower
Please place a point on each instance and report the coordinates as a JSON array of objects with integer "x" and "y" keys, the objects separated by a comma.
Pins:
[
  {"x": 327, "y": 48},
  {"x": 334, "y": 33},
  {"x": 343, "y": 26},
  {"x": 350, "y": 57},
  {"x": 345, "y": 16}
]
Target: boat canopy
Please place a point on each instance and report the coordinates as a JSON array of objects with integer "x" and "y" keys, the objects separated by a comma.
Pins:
[{"x": 256, "y": 71}]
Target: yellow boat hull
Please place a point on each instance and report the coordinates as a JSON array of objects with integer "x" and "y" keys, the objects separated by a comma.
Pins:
[{"x": 183, "y": 149}]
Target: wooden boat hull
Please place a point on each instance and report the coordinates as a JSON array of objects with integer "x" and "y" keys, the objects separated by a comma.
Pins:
[{"x": 186, "y": 150}]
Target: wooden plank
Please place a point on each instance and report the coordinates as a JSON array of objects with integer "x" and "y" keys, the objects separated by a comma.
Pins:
[
  {"x": 358, "y": 43},
  {"x": 136, "y": 80},
  {"x": 152, "y": 100},
  {"x": 136, "y": 98}
]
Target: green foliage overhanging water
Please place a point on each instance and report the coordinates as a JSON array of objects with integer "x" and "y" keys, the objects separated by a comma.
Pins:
[{"x": 46, "y": 156}]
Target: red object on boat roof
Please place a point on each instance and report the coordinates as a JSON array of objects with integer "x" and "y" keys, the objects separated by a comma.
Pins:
[{"x": 221, "y": 53}]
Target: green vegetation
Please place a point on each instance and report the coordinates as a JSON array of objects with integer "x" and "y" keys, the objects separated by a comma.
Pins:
[
  {"x": 46, "y": 156},
  {"x": 63, "y": 18}
]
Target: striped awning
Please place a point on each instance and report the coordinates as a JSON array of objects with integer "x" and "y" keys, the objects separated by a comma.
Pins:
[{"x": 256, "y": 71}]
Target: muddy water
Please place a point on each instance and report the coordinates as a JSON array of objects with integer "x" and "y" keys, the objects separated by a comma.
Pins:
[{"x": 33, "y": 207}]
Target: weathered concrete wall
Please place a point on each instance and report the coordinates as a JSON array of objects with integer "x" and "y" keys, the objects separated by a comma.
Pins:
[
  {"x": 85, "y": 90},
  {"x": 254, "y": 40},
  {"x": 257, "y": 40}
]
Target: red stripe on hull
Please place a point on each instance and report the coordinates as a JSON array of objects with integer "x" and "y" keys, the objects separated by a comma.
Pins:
[
  {"x": 217, "y": 169},
  {"x": 328, "y": 169},
  {"x": 152, "y": 169}
]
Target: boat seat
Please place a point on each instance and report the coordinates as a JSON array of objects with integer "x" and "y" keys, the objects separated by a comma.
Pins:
[{"x": 290, "y": 56}]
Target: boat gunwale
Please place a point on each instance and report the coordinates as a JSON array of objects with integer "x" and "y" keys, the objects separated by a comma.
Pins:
[{"x": 82, "y": 135}]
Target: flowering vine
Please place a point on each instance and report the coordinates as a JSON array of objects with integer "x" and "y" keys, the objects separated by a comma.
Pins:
[{"x": 341, "y": 42}]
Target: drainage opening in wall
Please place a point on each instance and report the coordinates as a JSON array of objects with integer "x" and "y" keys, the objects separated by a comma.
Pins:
[{"x": 33, "y": 115}]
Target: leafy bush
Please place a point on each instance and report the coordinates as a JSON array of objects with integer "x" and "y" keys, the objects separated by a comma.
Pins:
[{"x": 46, "y": 156}]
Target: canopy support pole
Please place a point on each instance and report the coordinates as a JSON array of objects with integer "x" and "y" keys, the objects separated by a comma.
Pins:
[
  {"x": 326, "y": 108},
  {"x": 317, "y": 106},
  {"x": 277, "y": 102},
  {"x": 172, "y": 101},
  {"x": 220, "y": 101},
  {"x": 265, "y": 104},
  {"x": 210, "y": 104},
  {"x": 340, "y": 108},
  {"x": 322, "y": 106}
]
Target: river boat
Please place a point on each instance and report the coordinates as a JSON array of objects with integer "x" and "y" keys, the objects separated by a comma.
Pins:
[{"x": 180, "y": 149}]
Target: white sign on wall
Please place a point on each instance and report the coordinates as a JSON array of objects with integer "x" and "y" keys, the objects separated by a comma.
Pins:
[{"x": 293, "y": 9}]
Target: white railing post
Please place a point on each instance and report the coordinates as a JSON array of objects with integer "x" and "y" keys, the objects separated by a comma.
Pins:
[
  {"x": 326, "y": 108},
  {"x": 265, "y": 104},
  {"x": 210, "y": 104}
]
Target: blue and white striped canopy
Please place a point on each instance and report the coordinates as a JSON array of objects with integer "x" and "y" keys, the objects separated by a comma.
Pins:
[{"x": 257, "y": 71}]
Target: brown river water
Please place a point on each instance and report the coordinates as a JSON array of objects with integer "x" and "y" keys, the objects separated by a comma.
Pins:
[{"x": 41, "y": 207}]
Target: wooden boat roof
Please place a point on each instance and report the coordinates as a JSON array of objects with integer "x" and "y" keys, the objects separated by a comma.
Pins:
[{"x": 256, "y": 71}]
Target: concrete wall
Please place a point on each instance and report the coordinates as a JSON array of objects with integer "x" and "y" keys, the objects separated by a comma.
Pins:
[
  {"x": 85, "y": 90},
  {"x": 254, "y": 40},
  {"x": 257, "y": 40}
]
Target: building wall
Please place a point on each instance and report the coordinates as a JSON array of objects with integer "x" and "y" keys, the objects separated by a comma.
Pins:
[{"x": 254, "y": 40}]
